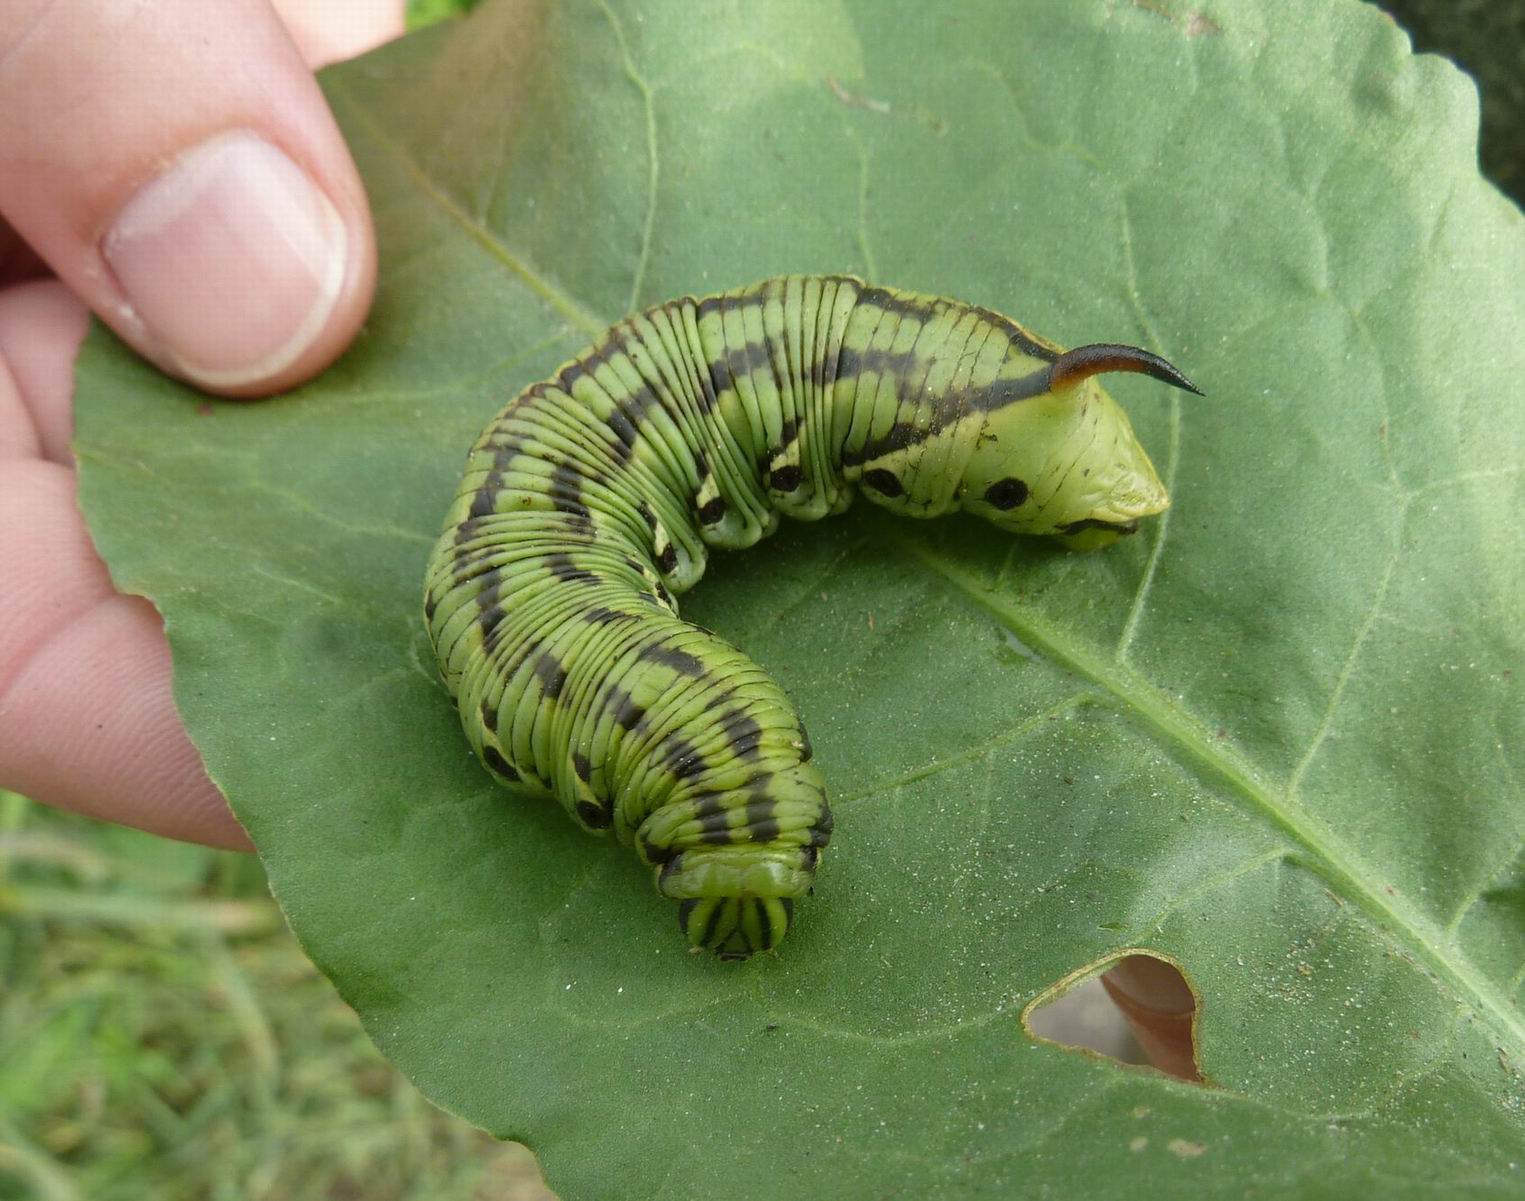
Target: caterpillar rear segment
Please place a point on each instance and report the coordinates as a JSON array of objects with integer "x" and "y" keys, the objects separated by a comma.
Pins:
[{"x": 594, "y": 497}]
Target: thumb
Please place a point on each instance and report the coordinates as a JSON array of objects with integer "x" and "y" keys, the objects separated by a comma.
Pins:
[
  {"x": 176, "y": 165},
  {"x": 1161, "y": 1008}
]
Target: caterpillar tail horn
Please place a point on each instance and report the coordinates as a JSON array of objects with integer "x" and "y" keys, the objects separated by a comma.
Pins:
[{"x": 1085, "y": 361}]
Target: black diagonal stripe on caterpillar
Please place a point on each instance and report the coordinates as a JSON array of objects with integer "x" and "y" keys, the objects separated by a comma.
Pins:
[{"x": 594, "y": 497}]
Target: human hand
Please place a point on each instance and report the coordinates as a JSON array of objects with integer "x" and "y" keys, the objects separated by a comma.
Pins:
[{"x": 175, "y": 166}]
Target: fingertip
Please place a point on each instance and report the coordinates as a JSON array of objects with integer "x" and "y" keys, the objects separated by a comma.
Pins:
[
  {"x": 329, "y": 33},
  {"x": 42, "y": 325},
  {"x": 116, "y": 750},
  {"x": 1161, "y": 1009},
  {"x": 87, "y": 713}
]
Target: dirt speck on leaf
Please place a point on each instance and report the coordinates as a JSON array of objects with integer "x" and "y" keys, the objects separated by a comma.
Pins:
[
  {"x": 1192, "y": 22},
  {"x": 854, "y": 100}
]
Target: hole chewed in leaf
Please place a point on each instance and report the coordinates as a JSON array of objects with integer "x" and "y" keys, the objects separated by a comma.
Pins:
[{"x": 1151, "y": 1018}]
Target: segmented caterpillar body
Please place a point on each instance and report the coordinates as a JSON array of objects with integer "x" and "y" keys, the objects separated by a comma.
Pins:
[{"x": 594, "y": 497}]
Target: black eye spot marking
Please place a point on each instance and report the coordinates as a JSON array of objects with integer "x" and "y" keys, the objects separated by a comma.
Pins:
[
  {"x": 712, "y": 511},
  {"x": 1007, "y": 493},
  {"x": 679, "y": 661},
  {"x": 553, "y": 676},
  {"x": 495, "y": 760},
  {"x": 785, "y": 479},
  {"x": 886, "y": 483}
]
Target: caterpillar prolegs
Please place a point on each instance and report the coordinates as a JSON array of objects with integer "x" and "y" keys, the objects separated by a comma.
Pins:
[{"x": 594, "y": 497}]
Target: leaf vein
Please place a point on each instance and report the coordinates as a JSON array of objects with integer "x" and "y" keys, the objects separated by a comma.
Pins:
[
  {"x": 648, "y": 102},
  {"x": 479, "y": 233},
  {"x": 1173, "y": 453},
  {"x": 1294, "y": 782},
  {"x": 969, "y": 755},
  {"x": 1327, "y": 856}
]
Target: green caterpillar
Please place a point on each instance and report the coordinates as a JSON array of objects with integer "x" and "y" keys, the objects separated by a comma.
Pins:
[{"x": 595, "y": 496}]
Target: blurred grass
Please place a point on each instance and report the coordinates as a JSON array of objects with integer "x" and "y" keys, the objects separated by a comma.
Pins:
[{"x": 162, "y": 1035}]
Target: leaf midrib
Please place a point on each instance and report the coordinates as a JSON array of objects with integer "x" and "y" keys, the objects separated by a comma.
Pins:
[
  {"x": 484, "y": 237},
  {"x": 1322, "y": 852}
]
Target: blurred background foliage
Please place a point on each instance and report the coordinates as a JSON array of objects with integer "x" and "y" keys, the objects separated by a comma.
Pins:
[
  {"x": 161, "y": 1032},
  {"x": 162, "y": 1035},
  {"x": 1485, "y": 38}
]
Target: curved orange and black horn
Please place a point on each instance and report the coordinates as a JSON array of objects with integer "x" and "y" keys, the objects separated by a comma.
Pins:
[{"x": 1085, "y": 361}]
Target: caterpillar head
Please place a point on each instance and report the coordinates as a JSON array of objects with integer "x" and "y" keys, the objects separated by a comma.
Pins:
[{"x": 1060, "y": 457}]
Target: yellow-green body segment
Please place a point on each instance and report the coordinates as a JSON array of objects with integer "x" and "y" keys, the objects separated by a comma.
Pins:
[{"x": 595, "y": 496}]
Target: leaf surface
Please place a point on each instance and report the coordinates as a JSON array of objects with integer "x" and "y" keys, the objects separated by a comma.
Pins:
[{"x": 1276, "y": 737}]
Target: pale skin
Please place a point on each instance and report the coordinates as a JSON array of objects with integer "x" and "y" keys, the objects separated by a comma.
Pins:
[{"x": 132, "y": 134}]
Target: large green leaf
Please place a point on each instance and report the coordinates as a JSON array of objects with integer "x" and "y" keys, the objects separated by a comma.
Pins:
[{"x": 1276, "y": 736}]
